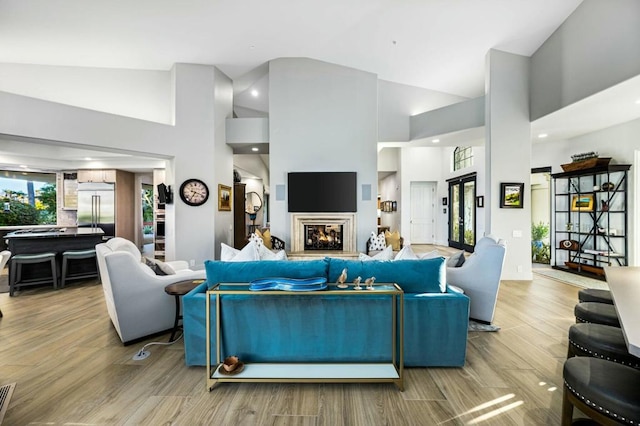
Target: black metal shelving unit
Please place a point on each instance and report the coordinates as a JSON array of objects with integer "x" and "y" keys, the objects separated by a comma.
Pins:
[{"x": 590, "y": 219}]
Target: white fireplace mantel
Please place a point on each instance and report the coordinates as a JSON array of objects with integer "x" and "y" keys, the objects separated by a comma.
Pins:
[{"x": 347, "y": 220}]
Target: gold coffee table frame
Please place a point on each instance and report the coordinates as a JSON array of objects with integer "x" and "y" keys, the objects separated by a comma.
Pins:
[{"x": 391, "y": 372}]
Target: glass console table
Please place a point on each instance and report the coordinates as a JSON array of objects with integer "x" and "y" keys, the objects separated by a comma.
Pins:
[{"x": 352, "y": 372}]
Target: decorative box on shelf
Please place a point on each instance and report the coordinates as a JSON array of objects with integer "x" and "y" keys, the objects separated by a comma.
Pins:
[{"x": 586, "y": 164}]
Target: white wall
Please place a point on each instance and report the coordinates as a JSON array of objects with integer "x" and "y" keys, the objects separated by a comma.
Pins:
[
  {"x": 143, "y": 94},
  {"x": 322, "y": 117},
  {"x": 508, "y": 157},
  {"x": 618, "y": 142},
  {"x": 199, "y": 125},
  {"x": 463, "y": 115},
  {"x": 595, "y": 48}
]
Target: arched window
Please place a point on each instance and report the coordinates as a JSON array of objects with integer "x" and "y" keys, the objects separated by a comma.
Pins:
[{"x": 462, "y": 157}]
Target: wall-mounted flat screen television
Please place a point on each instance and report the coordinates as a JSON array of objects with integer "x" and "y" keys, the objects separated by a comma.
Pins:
[{"x": 322, "y": 192}]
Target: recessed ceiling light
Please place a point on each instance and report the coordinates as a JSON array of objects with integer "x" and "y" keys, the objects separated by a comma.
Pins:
[
  {"x": 23, "y": 166},
  {"x": 638, "y": 102},
  {"x": 435, "y": 141},
  {"x": 254, "y": 93},
  {"x": 542, "y": 135},
  {"x": 87, "y": 158},
  {"x": 254, "y": 149}
]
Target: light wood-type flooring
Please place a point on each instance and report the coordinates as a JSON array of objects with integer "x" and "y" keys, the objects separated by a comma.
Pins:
[{"x": 71, "y": 369}]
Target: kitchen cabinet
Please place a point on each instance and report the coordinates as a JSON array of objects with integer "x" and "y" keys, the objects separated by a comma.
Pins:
[{"x": 98, "y": 175}]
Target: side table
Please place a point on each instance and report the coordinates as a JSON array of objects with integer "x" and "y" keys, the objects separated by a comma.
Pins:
[{"x": 180, "y": 289}]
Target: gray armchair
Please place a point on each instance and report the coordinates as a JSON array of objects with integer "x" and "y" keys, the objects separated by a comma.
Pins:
[{"x": 479, "y": 277}]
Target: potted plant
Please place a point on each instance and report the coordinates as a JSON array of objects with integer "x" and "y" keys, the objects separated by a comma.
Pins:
[{"x": 540, "y": 249}]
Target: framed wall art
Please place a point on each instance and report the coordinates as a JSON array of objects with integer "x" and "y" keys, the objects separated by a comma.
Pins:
[{"x": 511, "y": 195}]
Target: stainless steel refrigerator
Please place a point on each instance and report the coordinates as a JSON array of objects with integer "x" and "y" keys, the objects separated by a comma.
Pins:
[{"x": 96, "y": 207}]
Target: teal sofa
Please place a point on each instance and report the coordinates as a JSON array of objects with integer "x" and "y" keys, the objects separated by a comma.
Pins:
[{"x": 328, "y": 328}]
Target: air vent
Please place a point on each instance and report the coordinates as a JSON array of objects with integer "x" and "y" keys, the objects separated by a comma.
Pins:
[{"x": 5, "y": 396}]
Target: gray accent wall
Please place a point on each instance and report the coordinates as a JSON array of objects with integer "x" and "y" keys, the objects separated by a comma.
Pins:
[
  {"x": 322, "y": 117},
  {"x": 597, "y": 47}
]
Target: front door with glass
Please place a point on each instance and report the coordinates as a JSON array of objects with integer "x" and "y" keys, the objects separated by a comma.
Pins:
[{"x": 462, "y": 213}]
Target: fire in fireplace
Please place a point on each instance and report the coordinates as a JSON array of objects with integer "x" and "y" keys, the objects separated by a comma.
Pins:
[{"x": 323, "y": 237}]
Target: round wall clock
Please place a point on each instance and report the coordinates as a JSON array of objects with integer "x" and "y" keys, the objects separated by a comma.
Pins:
[{"x": 194, "y": 192}]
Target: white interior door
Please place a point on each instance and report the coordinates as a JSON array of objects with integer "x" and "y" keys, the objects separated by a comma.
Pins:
[{"x": 423, "y": 204}]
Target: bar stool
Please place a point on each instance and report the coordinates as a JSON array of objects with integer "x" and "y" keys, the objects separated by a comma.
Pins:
[
  {"x": 600, "y": 341},
  {"x": 597, "y": 313},
  {"x": 15, "y": 279},
  {"x": 71, "y": 255},
  {"x": 595, "y": 295},
  {"x": 603, "y": 390}
]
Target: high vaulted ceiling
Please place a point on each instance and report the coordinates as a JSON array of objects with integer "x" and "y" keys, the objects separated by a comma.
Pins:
[{"x": 433, "y": 44}]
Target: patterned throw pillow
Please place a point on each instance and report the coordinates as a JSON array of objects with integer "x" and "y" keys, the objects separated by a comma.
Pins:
[
  {"x": 393, "y": 239},
  {"x": 377, "y": 242},
  {"x": 158, "y": 267},
  {"x": 256, "y": 237},
  {"x": 456, "y": 260}
]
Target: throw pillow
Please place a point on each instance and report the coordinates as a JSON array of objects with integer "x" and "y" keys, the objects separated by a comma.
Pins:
[
  {"x": 248, "y": 253},
  {"x": 377, "y": 242},
  {"x": 266, "y": 239},
  {"x": 256, "y": 237},
  {"x": 406, "y": 253},
  {"x": 266, "y": 254},
  {"x": 158, "y": 267},
  {"x": 430, "y": 255},
  {"x": 386, "y": 254},
  {"x": 393, "y": 239},
  {"x": 456, "y": 260}
]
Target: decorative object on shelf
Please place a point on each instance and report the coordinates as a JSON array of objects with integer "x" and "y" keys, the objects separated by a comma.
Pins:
[
  {"x": 289, "y": 284},
  {"x": 607, "y": 186},
  {"x": 231, "y": 366},
  {"x": 356, "y": 283},
  {"x": 585, "y": 267},
  {"x": 604, "y": 206},
  {"x": 569, "y": 245},
  {"x": 369, "y": 282},
  {"x": 569, "y": 226},
  {"x": 236, "y": 176},
  {"x": 511, "y": 195},
  {"x": 194, "y": 192},
  {"x": 224, "y": 198},
  {"x": 480, "y": 201},
  {"x": 582, "y": 203},
  {"x": 342, "y": 278},
  {"x": 586, "y": 160}
]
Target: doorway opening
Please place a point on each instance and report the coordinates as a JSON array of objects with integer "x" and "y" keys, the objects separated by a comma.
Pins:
[{"x": 541, "y": 215}]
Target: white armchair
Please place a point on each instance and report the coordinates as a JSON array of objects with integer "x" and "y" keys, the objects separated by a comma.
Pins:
[
  {"x": 479, "y": 277},
  {"x": 134, "y": 294}
]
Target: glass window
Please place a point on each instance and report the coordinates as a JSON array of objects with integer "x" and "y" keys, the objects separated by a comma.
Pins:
[
  {"x": 462, "y": 157},
  {"x": 28, "y": 198}
]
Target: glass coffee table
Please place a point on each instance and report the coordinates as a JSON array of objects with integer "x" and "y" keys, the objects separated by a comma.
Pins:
[{"x": 316, "y": 372}]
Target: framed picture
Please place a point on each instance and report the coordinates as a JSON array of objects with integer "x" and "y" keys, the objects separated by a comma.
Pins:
[
  {"x": 582, "y": 203},
  {"x": 480, "y": 201},
  {"x": 511, "y": 195},
  {"x": 224, "y": 197}
]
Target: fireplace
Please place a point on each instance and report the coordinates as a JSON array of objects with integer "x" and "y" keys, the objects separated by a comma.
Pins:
[
  {"x": 323, "y": 237},
  {"x": 323, "y": 232}
]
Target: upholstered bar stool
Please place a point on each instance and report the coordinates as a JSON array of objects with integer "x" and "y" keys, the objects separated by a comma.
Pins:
[
  {"x": 597, "y": 313},
  {"x": 595, "y": 295},
  {"x": 71, "y": 255},
  {"x": 600, "y": 341},
  {"x": 17, "y": 262},
  {"x": 603, "y": 390}
]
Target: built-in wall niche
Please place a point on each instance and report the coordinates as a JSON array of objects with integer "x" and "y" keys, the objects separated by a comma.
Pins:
[{"x": 388, "y": 206}]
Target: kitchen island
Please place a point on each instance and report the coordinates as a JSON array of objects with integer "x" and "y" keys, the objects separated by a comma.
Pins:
[{"x": 56, "y": 240}]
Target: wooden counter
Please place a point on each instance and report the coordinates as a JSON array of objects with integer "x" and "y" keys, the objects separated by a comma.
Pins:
[{"x": 624, "y": 283}]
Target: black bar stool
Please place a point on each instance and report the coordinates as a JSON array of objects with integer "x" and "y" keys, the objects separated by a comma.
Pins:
[
  {"x": 17, "y": 261},
  {"x": 71, "y": 255},
  {"x": 603, "y": 390},
  {"x": 595, "y": 295},
  {"x": 597, "y": 313},
  {"x": 600, "y": 341}
]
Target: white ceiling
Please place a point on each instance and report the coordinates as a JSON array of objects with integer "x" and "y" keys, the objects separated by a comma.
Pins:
[{"x": 438, "y": 45}]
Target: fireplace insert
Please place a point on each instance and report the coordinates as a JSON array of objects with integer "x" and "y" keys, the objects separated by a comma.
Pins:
[{"x": 323, "y": 237}]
